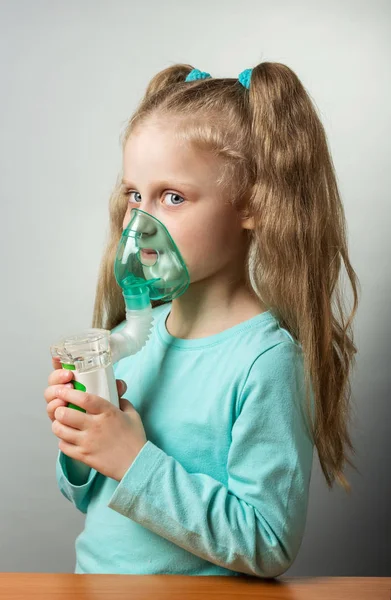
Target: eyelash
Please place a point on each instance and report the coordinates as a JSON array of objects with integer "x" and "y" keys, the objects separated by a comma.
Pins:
[{"x": 128, "y": 192}]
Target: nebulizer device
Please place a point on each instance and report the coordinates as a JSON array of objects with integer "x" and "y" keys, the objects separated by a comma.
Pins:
[{"x": 148, "y": 266}]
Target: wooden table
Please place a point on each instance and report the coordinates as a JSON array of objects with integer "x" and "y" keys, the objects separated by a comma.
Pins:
[{"x": 70, "y": 586}]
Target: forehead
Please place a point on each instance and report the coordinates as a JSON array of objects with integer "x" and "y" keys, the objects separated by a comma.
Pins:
[
  {"x": 156, "y": 141},
  {"x": 155, "y": 149}
]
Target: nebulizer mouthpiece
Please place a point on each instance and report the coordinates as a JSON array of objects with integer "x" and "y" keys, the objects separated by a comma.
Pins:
[{"x": 148, "y": 266}]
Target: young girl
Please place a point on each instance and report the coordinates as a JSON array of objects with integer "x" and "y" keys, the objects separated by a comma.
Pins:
[{"x": 205, "y": 470}]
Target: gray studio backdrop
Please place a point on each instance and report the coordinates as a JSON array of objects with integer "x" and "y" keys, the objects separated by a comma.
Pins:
[{"x": 71, "y": 74}]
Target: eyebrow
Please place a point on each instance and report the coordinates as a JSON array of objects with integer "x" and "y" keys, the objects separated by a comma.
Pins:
[{"x": 164, "y": 183}]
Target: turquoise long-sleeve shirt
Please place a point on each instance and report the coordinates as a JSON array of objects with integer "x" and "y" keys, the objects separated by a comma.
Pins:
[{"x": 221, "y": 486}]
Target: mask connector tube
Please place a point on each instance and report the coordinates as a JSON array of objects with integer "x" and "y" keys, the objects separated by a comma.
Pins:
[{"x": 134, "y": 335}]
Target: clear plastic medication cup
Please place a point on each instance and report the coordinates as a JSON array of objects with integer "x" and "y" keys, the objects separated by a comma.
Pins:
[{"x": 88, "y": 354}]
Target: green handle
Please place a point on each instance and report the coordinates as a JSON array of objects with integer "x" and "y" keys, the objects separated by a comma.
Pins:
[{"x": 77, "y": 385}]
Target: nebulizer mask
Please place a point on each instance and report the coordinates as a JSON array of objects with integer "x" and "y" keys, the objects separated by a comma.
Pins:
[{"x": 148, "y": 266}]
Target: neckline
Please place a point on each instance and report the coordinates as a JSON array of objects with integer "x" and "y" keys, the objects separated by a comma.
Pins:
[{"x": 210, "y": 340}]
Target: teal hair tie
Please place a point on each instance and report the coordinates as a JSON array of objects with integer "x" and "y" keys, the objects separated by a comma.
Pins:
[
  {"x": 245, "y": 78},
  {"x": 196, "y": 74}
]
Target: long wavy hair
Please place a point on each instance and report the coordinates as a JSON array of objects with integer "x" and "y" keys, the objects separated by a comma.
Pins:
[{"x": 278, "y": 169}]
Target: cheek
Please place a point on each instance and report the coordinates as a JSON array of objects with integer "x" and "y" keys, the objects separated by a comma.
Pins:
[{"x": 203, "y": 250}]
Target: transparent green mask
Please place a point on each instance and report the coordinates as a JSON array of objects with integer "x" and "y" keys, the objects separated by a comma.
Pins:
[{"x": 148, "y": 265}]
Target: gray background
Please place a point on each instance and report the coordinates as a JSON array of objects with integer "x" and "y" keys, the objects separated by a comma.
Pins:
[{"x": 71, "y": 74}]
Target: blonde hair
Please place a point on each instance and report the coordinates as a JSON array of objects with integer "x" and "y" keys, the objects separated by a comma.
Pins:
[{"x": 278, "y": 169}]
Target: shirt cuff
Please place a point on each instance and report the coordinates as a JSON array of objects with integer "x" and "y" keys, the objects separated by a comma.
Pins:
[
  {"x": 62, "y": 465},
  {"x": 136, "y": 477}
]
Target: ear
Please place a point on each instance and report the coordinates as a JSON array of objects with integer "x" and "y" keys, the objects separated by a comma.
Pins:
[{"x": 248, "y": 223}]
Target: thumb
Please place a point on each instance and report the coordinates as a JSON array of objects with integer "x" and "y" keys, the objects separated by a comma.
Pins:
[
  {"x": 125, "y": 405},
  {"x": 121, "y": 387}
]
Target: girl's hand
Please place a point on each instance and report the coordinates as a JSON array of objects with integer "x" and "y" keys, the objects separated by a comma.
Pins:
[
  {"x": 58, "y": 377},
  {"x": 105, "y": 437}
]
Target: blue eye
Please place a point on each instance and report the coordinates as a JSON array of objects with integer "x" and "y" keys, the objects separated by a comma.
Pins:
[
  {"x": 177, "y": 199},
  {"x": 130, "y": 193},
  {"x": 176, "y": 196}
]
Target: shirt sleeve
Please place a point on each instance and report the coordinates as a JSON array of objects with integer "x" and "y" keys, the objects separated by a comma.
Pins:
[
  {"x": 69, "y": 482},
  {"x": 255, "y": 524}
]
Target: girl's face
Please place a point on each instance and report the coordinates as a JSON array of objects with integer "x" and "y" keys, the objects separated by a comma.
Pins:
[{"x": 177, "y": 185}]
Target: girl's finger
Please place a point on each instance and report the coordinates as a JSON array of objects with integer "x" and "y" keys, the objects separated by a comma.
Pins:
[
  {"x": 121, "y": 386},
  {"x": 56, "y": 362},
  {"x": 60, "y": 376},
  {"x": 53, "y": 404}
]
